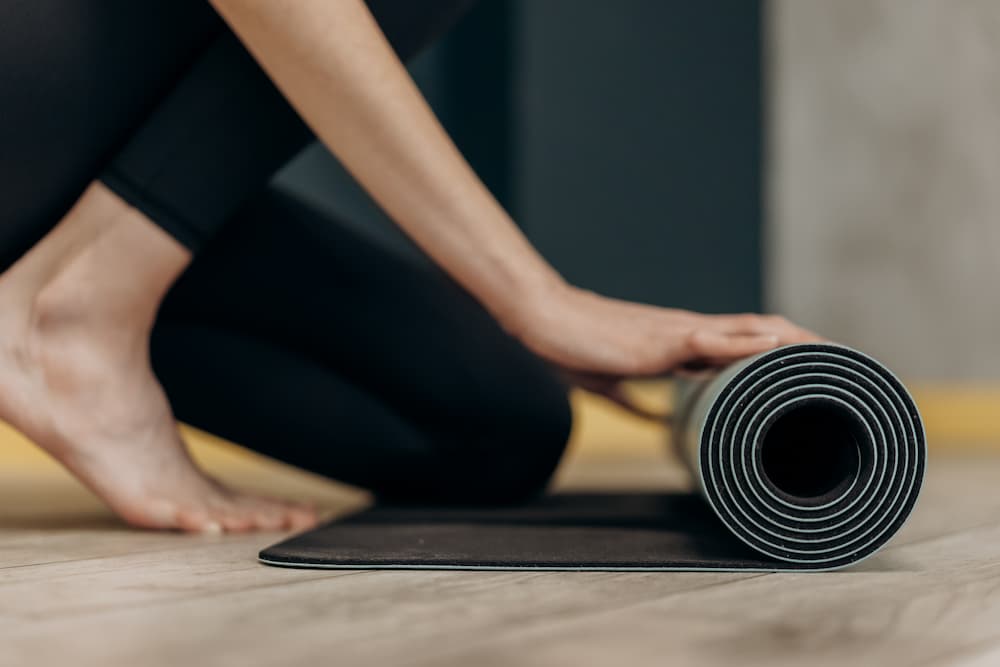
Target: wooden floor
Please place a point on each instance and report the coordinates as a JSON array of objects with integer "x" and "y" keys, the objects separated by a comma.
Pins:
[{"x": 78, "y": 588}]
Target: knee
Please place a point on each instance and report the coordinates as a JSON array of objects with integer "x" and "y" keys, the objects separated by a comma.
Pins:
[{"x": 513, "y": 453}]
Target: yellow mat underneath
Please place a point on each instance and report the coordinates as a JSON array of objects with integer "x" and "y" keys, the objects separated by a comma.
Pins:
[{"x": 957, "y": 417}]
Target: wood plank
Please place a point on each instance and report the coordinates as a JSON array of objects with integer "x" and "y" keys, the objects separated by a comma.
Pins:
[
  {"x": 209, "y": 599},
  {"x": 590, "y": 618},
  {"x": 368, "y": 618},
  {"x": 53, "y": 555},
  {"x": 114, "y": 596},
  {"x": 197, "y": 567},
  {"x": 939, "y": 596}
]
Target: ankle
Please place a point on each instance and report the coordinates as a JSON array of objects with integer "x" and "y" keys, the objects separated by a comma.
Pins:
[
  {"x": 66, "y": 304},
  {"x": 103, "y": 256},
  {"x": 117, "y": 276}
]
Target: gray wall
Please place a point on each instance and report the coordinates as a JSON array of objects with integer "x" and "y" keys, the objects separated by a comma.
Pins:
[
  {"x": 885, "y": 178},
  {"x": 638, "y": 163}
]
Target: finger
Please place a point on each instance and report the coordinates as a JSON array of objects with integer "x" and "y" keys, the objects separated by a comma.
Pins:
[
  {"x": 593, "y": 382},
  {"x": 613, "y": 389},
  {"x": 707, "y": 344},
  {"x": 754, "y": 324},
  {"x": 712, "y": 365},
  {"x": 697, "y": 371},
  {"x": 807, "y": 336}
]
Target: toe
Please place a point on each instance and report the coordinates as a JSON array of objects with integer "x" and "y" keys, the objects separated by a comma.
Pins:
[
  {"x": 194, "y": 521},
  {"x": 266, "y": 514},
  {"x": 275, "y": 514},
  {"x": 302, "y": 518},
  {"x": 269, "y": 519},
  {"x": 235, "y": 520}
]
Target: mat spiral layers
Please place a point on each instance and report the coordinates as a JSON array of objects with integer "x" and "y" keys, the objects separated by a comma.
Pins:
[{"x": 811, "y": 454}]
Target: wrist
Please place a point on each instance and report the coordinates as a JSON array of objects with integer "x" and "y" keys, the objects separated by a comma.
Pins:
[{"x": 528, "y": 300}]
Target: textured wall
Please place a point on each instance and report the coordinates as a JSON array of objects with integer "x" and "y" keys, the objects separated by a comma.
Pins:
[{"x": 884, "y": 178}]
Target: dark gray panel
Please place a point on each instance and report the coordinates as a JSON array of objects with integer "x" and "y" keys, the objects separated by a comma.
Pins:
[
  {"x": 624, "y": 137},
  {"x": 638, "y": 125}
]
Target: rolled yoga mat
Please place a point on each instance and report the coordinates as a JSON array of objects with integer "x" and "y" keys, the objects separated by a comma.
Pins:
[{"x": 807, "y": 457}]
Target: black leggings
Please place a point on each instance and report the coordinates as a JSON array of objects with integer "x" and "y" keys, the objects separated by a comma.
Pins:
[{"x": 289, "y": 333}]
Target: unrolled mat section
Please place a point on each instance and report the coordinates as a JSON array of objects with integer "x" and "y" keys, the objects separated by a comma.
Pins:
[{"x": 808, "y": 457}]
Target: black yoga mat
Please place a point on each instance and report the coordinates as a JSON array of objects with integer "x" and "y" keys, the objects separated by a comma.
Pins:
[{"x": 809, "y": 457}]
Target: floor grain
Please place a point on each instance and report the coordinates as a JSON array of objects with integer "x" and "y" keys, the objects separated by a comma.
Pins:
[{"x": 76, "y": 585}]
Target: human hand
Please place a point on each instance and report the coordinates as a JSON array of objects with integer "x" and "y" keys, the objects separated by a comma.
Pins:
[{"x": 599, "y": 341}]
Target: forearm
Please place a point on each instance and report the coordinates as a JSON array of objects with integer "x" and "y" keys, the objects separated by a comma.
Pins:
[{"x": 334, "y": 65}]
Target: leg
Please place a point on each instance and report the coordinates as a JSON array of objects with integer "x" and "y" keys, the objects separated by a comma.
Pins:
[
  {"x": 224, "y": 130},
  {"x": 294, "y": 336},
  {"x": 187, "y": 161},
  {"x": 76, "y": 375},
  {"x": 77, "y": 309},
  {"x": 74, "y": 360},
  {"x": 78, "y": 78}
]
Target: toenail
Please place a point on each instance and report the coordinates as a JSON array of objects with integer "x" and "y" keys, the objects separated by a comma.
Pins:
[{"x": 212, "y": 528}]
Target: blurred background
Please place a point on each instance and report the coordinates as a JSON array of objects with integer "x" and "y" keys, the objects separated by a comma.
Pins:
[{"x": 838, "y": 162}]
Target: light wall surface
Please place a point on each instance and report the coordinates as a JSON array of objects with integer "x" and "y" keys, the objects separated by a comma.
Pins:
[{"x": 883, "y": 185}]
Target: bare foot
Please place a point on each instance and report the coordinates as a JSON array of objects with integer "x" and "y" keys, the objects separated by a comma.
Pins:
[{"x": 75, "y": 376}]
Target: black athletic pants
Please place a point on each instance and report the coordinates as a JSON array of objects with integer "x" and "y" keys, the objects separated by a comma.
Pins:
[{"x": 289, "y": 333}]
